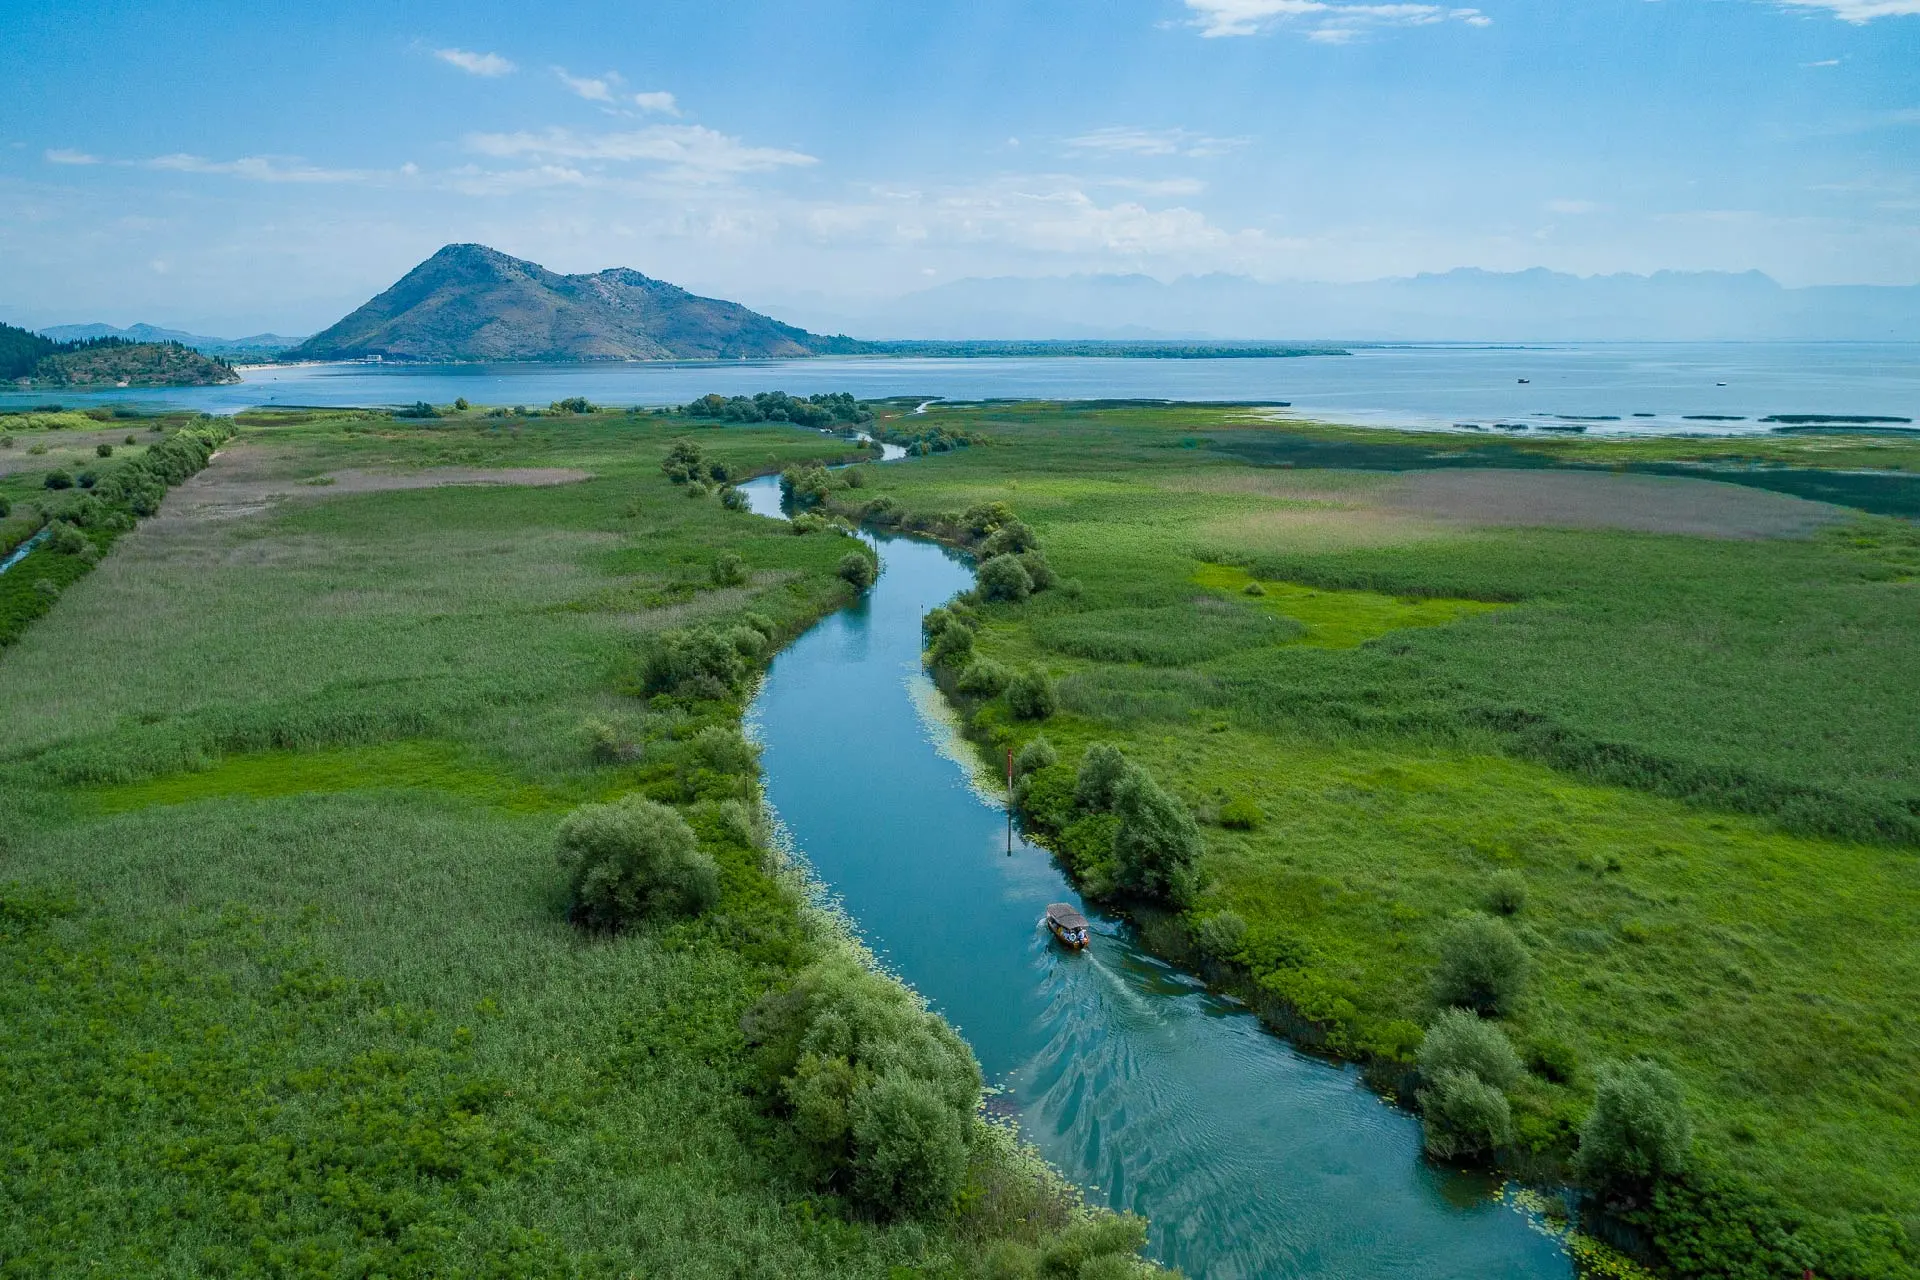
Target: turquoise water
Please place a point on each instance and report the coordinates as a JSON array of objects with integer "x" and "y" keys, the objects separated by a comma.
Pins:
[
  {"x": 1251, "y": 1158},
  {"x": 1431, "y": 386}
]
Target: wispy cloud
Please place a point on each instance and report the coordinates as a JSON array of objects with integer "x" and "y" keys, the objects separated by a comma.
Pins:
[
  {"x": 1824, "y": 62},
  {"x": 592, "y": 88},
  {"x": 1332, "y": 23},
  {"x": 689, "y": 151},
  {"x": 475, "y": 64},
  {"x": 659, "y": 101},
  {"x": 269, "y": 169},
  {"x": 1858, "y": 11},
  {"x": 66, "y": 155},
  {"x": 1117, "y": 139}
]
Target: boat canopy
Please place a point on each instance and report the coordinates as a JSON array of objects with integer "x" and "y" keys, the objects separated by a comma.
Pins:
[{"x": 1065, "y": 916}]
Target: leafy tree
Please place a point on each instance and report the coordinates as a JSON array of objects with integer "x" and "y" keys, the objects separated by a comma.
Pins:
[
  {"x": 1638, "y": 1131},
  {"x": 633, "y": 860},
  {"x": 1102, "y": 769},
  {"x": 858, "y": 570},
  {"x": 728, "y": 570},
  {"x": 696, "y": 663},
  {"x": 1464, "y": 1115},
  {"x": 910, "y": 1146},
  {"x": 1011, "y": 538},
  {"x": 1005, "y": 578},
  {"x": 1037, "y": 754},
  {"x": 103, "y": 450},
  {"x": 953, "y": 646},
  {"x": 1483, "y": 966},
  {"x": 1042, "y": 574},
  {"x": 683, "y": 461},
  {"x": 1460, "y": 1040},
  {"x": 57, "y": 479},
  {"x": 1157, "y": 842},
  {"x": 1031, "y": 695},
  {"x": 984, "y": 678}
]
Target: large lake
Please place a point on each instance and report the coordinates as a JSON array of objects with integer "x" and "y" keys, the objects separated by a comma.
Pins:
[{"x": 1425, "y": 386}]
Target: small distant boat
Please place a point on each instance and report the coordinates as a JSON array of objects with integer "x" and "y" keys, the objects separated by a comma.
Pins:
[
  {"x": 1524, "y": 381},
  {"x": 1069, "y": 927}
]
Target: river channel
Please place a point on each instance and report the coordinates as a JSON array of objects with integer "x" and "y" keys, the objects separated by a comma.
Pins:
[{"x": 1251, "y": 1158}]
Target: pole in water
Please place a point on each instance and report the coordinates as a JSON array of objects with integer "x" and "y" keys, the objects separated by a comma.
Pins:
[{"x": 1009, "y": 802}]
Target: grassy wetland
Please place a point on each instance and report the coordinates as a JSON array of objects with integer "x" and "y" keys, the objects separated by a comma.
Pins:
[
  {"x": 1612, "y": 742},
  {"x": 293, "y": 981}
]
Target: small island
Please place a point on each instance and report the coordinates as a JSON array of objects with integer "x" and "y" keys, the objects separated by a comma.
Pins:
[{"x": 30, "y": 360}]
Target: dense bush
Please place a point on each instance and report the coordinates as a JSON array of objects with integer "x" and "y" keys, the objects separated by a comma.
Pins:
[
  {"x": 633, "y": 860},
  {"x": 881, "y": 1092},
  {"x": 683, "y": 462},
  {"x": 67, "y": 539},
  {"x": 1483, "y": 966},
  {"x": 57, "y": 479},
  {"x": 729, "y": 570},
  {"x": 1031, "y": 695},
  {"x": 777, "y": 406},
  {"x": 1222, "y": 935},
  {"x": 1038, "y": 570},
  {"x": 1011, "y": 538},
  {"x": 1101, "y": 770},
  {"x": 806, "y": 486},
  {"x": 1464, "y": 1115},
  {"x": 952, "y": 646},
  {"x": 735, "y": 499},
  {"x": 695, "y": 663},
  {"x": 1507, "y": 893},
  {"x": 1638, "y": 1130},
  {"x": 724, "y": 750},
  {"x": 984, "y": 678},
  {"x": 1460, "y": 1040},
  {"x": 857, "y": 570},
  {"x": 1005, "y": 578},
  {"x": 1037, "y": 754},
  {"x": 1551, "y": 1058},
  {"x": 1157, "y": 843}
]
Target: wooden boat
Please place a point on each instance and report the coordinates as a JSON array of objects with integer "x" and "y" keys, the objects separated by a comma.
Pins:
[{"x": 1069, "y": 927}]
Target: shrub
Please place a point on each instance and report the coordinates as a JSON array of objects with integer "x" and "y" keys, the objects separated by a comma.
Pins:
[
  {"x": 103, "y": 450},
  {"x": 606, "y": 744},
  {"x": 46, "y": 587},
  {"x": 1460, "y": 1040},
  {"x": 632, "y": 860},
  {"x": 460, "y": 403},
  {"x": 743, "y": 823},
  {"x": 953, "y": 646},
  {"x": 762, "y": 623},
  {"x": 1005, "y": 578},
  {"x": 807, "y": 522},
  {"x": 67, "y": 540},
  {"x": 1097, "y": 1248},
  {"x": 572, "y": 404},
  {"x": 1157, "y": 842},
  {"x": 858, "y": 570},
  {"x": 87, "y": 479},
  {"x": 879, "y": 1090},
  {"x": 1507, "y": 893},
  {"x": 729, "y": 570},
  {"x": 984, "y": 678},
  {"x": 1101, "y": 770},
  {"x": 698, "y": 489},
  {"x": 1222, "y": 935},
  {"x": 1638, "y": 1131},
  {"x": 722, "y": 751},
  {"x": 735, "y": 499},
  {"x": 1037, "y": 754},
  {"x": 683, "y": 461},
  {"x": 57, "y": 479},
  {"x": 131, "y": 439},
  {"x": 933, "y": 622},
  {"x": 1042, "y": 574},
  {"x": 1254, "y": 589},
  {"x": 695, "y": 664},
  {"x": 6, "y": 508},
  {"x": 1010, "y": 538},
  {"x": 1462, "y": 1114},
  {"x": 746, "y": 641},
  {"x": 1483, "y": 966},
  {"x": 1241, "y": 814},
  {"x": 418, "y": 409},
  {"x": 1031, "y": 695}
]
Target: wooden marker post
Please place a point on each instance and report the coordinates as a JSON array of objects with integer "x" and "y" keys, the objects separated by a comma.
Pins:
[{"x": 1009, "y": 802}]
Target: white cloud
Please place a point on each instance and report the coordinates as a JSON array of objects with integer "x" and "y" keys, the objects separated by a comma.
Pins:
[
  {"x": 262, "y": 169},
  {"x": 1334, "y": 23},
  {"x": 660, "y": 101},
  {"x": 65, "y": 155},
  {"x": 1154, "y": 142},
  {"x": 690, "y": 151},
  {"x": 1824, "y": 62},
  {"x": 592, "y": 88},
  {"x": 1858, "y": 11},
  {"x": 475, "y": 64}
]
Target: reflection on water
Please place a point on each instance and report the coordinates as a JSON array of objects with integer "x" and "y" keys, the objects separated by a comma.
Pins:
[{"x": 1251, "y": 1159}]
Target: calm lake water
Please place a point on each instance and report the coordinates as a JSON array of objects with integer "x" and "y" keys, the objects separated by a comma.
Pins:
[
  {"x": 1252, "y": 1159},
  {"x": 1428, "y": 386}
]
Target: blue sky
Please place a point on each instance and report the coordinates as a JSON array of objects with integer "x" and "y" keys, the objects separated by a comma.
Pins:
[{"x": 235, "y": 167}]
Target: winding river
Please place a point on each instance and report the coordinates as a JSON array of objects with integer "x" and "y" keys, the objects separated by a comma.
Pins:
[{"x": 1251, "y": 1158}]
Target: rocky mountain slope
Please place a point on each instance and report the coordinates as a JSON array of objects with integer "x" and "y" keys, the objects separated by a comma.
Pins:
[{"x": 469, "y": 302}]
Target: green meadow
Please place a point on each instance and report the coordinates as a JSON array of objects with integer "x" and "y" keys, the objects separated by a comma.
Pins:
[
  {"x": 1662, "y": 729},
  {"x": 287, "y": 983}
]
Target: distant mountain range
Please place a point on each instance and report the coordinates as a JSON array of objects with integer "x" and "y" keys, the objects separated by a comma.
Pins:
[
  {"x": 1465, "y": 305},
  {"x": 469, "y": 302},
  {"x": 257, "y": 343}
]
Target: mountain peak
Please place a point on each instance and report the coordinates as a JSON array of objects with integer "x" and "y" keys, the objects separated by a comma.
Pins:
[{"x": 473, "y": 302}]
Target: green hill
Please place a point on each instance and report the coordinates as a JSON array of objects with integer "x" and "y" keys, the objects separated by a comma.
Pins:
[
  {"x": 37, "y": 361},
  {"x": 469, "y": 302}
]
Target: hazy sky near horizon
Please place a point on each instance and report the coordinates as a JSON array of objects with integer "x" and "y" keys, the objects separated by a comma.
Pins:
[{"x": 231, "y": 168}]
